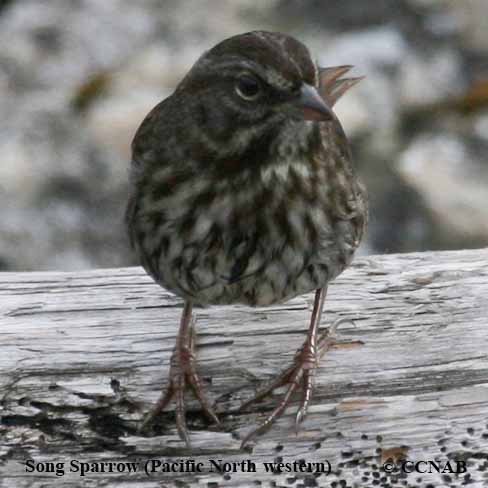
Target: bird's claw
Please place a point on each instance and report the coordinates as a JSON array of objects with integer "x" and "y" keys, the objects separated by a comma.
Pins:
[
  {"x": 300, "y": 373},
  {"x": 181, "y": 375}
]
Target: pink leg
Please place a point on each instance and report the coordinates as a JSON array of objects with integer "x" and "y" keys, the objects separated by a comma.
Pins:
[
  {"x": 182, "y": 373},
  {"x": 301, "y": 372}
]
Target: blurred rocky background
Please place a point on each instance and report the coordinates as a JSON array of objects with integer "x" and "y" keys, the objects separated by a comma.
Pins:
[{"x": 78, "y": 76}]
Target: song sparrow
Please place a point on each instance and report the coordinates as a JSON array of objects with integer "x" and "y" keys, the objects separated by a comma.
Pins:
[{"x": 242, "y": 191}]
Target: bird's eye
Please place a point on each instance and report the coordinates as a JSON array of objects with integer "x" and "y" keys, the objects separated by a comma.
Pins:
[{"x": 248, "y": 87}]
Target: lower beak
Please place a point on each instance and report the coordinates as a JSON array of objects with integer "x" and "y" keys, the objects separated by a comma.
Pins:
[{"x": 313, "y": 106}]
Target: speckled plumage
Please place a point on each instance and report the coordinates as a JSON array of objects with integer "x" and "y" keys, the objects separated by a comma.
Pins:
[
  {"x": 233, "y": 201},
  {"x": 255, "y": 226}
]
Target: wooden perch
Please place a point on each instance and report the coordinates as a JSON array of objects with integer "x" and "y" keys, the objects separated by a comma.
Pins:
[{"x": 85, "y": 354}]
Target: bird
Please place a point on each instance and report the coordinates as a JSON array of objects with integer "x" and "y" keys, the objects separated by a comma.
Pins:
[{"x": 242, "y": 190}]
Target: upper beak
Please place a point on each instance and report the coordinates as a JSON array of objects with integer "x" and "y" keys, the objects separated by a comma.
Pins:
[{"x": 313, "y": 106}]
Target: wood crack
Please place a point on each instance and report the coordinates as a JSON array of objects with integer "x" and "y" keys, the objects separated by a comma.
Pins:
[{"x": 84, "y": 355}]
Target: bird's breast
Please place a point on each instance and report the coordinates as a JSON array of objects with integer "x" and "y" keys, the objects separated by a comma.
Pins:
[{"x": 256, "y": 242}]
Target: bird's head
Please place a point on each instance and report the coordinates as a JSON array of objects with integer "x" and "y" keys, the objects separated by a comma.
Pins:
[{"x": 251, "y": 83}]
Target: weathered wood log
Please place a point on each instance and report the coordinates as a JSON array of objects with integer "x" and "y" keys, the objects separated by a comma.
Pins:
[{"x": 84, "y": 355}]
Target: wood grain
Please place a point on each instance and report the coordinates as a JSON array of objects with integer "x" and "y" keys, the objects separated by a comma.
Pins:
[{"x": 84, "y": 355}]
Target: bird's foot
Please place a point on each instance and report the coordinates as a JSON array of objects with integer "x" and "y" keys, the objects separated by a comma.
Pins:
[
  {"x": 182, "y": 374},
  {"x": 300, "y": 374}
]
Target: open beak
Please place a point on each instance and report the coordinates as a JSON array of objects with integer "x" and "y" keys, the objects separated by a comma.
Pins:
[{"x": 313, "y": 106}]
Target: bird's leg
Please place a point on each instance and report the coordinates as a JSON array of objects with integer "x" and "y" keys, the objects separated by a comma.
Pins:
[
  {"x": 301, "y": 372},
  {"x": 182, "y": 373}
]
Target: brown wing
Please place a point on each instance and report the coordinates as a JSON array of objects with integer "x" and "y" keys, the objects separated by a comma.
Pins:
[
  {"x": 347, "y": 196},
  {"x": 348, "y": 199}
]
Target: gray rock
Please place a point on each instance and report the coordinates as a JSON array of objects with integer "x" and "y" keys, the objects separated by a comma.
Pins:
[
  {"x": 64, "y": 164},
  {"x": 366, "y": 49},
  {"x": 452, "y": 181},
  {"x": 480, "y": 126},
  {"x": 428, "y": 79}
]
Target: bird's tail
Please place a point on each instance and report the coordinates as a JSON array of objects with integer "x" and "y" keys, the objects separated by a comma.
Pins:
[{"x": 332, "y": 86}]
